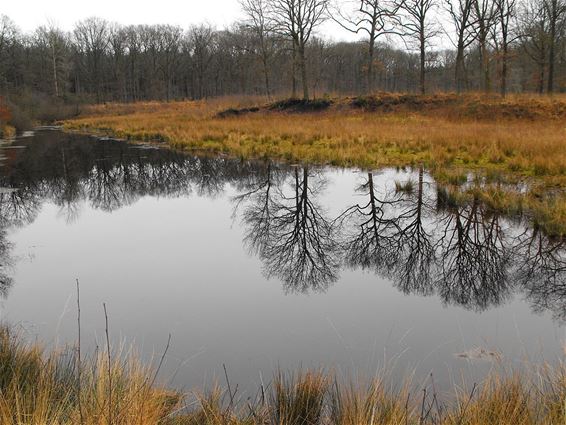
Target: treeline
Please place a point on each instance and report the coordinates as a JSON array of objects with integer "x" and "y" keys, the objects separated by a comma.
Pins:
[{"x": 499, "y": 45}]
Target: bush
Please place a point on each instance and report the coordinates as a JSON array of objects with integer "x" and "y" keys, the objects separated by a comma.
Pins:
[
  {"x": 301, "y": 105},
  {"x": 29, "y": 109}
]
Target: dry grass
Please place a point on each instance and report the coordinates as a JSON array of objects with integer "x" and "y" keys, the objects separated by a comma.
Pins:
[
  {"x": 519, "y": 139},
  {"x": 40, "y": 388}
]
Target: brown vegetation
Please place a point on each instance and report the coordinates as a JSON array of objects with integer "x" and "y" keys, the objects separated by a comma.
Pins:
[
  {"x": 41, "y": 388},
  {"x": 519, "y": 139}
]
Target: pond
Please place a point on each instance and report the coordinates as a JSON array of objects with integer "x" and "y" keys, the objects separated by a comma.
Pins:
[{"x": 258, "y": 265}]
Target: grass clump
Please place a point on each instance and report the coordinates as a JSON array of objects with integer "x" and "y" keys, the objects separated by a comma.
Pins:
[
  {"x": 41, "y": 388},
  {"x": 351, "y": 405},
  {"x": 298, "y": 399},
  {"x": 407, "y": 187}
]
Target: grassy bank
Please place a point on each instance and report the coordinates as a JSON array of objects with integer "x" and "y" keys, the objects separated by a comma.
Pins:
[
  {"x": 502, "y": 142},
  {"x": 54, "y": 388}
]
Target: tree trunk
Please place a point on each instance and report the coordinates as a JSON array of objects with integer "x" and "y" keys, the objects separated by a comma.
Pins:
[
  {"x": 486, "y": 83},
  {"x": 304, "y": 72},
  {"x": 266, "y": 77},
  {"x": 294, "y": 71},
  {"x": 370, "y": 64},
  {"x": 541, "y": 78},
  {"x": 422, "y": 61},
  {"x": 459, "y": 75},
  {"x": 551, "y": 53},
  {"x": 504, "y": 68},
  {"x": 55, "y": 78}
]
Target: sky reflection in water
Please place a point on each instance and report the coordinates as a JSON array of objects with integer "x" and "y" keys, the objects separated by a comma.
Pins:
[{"x": 259, "y": 265}]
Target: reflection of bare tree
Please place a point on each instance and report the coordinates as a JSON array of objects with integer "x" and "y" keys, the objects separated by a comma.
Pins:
[
  {"x": 19, "y": 207},
  {"x": 457, "y": 252},
  {"x": 5, "y": 263},
  {"x": 209, "y": 175},
  {"x": 460, "y": 252},
  {"x": 416, "y": 251},
  {"x": 302, "y": 246},
  {"x": 71, "y": 189},
  {"x": 374, "y": 243},
  {"x": 473, "y": 258},
  {"x": 259, "y": 196},
  {"x": 541, "y": 271}
]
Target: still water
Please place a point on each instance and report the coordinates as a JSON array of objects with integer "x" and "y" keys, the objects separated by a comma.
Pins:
[{"x": 258, "y": 265}]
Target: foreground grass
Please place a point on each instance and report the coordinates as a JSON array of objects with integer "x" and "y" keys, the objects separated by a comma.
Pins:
[
  {"x": 517, "y": 140},
  {"x": 41, "y": 388}
]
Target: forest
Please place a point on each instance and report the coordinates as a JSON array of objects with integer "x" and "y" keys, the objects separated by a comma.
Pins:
[{"x": 281, "y": 49}]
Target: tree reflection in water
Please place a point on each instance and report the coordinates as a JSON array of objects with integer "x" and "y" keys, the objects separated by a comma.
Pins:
[
  {"x": 473, "y": 258},
  {"x": 420, "y": 240},
  {"x": 541, "y": 271},
  {"x": 290, "y": 232}
]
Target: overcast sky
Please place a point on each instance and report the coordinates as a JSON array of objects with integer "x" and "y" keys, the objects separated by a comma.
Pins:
[{"x": 29, "y": 14}]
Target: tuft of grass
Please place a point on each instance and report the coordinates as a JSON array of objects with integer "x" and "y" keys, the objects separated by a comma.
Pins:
[
  {"x": 354, "y": 405},
  {"x": 298, "y": 399},
  {"x": 40, "y": 388},
  {"x": 405, "y": 187}
]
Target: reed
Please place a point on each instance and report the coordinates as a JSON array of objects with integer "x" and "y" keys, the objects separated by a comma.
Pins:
[{"x": 38, "y": 387}]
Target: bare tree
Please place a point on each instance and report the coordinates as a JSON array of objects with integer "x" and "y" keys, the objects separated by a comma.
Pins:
[
  {"x": 534, "y": 35},
  {"x": 462, "y": 15},
  {"x": 297, "y": 19},
  {"x": 8, "y": 36},
  {"x": 201, "y": 44},
  {"x": 417, "y": 25},
  {"x": 375, "y": 18},
  {"x": 262, "y": 26},
  {"x": 56, "y": 44},
  {"x": 484, "y": 18},
  {"x": 505, "y": 11},
  {"x": 555, "y": 12},
  {"x": 169, "y": 46},
  {"x": 118, "y": 45},
  {"x": 92, "y": 38}
]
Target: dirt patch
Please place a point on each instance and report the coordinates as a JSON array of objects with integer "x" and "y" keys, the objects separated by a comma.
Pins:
[
  {"x": 396, "y": 102},
  {"x": 233, "y": 112},
  {"x": 300, "y": 105},
  {"x": 470, "y": 106}
]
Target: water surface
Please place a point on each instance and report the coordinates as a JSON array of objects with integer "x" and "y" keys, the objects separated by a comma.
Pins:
[{"x": 260, "y": 265}]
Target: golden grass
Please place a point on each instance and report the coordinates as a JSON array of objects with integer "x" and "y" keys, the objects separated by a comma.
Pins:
[
  {"x": 41, "y": 388},
  {"x": 520, "y": 138}
]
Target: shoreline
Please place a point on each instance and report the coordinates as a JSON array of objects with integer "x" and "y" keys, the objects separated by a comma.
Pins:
[
  {"x": 473, "y": 158},
  {"x": 59, "y": 387}
]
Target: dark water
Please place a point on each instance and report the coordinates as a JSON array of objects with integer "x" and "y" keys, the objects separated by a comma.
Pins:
[{"x": 259, "y": 265}]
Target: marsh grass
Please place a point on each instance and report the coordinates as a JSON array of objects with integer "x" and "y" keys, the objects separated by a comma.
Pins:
[
  {"x": 407, "y": 187},
  {"x": 372, "y": 404},
  {"x": 298, "y": 399},
  {"x": 519, "y": 139},
  {"x": 40, "y": 388}
]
